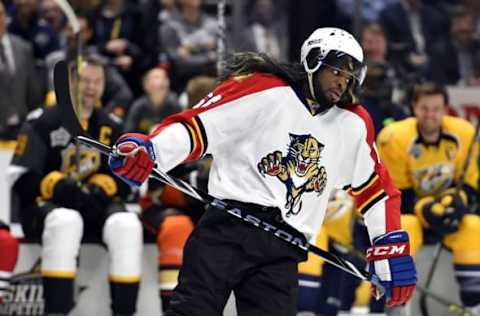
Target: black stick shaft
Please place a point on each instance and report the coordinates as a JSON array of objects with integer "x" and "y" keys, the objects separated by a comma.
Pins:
[
  {"x": 186, "y": 188},
  {"x": 72, "y": 124}
]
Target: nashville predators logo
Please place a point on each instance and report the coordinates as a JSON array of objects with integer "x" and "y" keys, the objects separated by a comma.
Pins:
[
  {"x": 299, "y": 170},
  {"x": 434, "y": 179}
]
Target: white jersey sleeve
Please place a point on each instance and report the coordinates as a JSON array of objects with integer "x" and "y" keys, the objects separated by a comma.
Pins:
[
  {"x": 367, "y": 179},
  {"x": 224, "y": 115}
]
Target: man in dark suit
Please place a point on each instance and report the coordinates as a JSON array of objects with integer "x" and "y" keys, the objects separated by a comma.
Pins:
[
  {"x": 459, "y": 54},
  {"x": 19, "y": 89},
  {"x": 411, "y": 28}
]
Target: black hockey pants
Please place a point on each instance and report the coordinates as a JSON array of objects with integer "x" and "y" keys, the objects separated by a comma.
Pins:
[{"x": 224, "y": 254}]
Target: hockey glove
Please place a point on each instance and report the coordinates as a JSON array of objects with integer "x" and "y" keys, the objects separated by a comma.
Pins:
[
  {"x": 442, "y": 215},
  {"x": 100, "y": 188},
  {"x": 136, "y": 158},
  {"x": 62, "y": 190},
  {"x": 389, "y": 258}
]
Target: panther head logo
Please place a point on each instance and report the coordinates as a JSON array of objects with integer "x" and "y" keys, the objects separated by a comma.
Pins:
[{"x": 299, "y": 170}]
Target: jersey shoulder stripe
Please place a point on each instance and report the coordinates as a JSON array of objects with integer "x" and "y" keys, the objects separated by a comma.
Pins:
[
  {"x": 225, "y": 93},
  {"x": 379, "y": 185}
]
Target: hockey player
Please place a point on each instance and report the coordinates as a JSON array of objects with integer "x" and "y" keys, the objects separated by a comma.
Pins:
[
  {"x": 67, "y": 193},
  {"x": 282, "y": 138},
  {"x": 8, "y": 259},
  {"x": 425, "y": 156},
  {"x": 170, "y": 215}
]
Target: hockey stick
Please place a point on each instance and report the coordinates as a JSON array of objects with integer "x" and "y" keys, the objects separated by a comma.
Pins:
[
  {"x": 221, "y": 37},
  {"x": 72, "y": 124},
  {"x": 423, "y": 297},
  {"x": 75, "y": 25},
  {"x": 439, "y": 246}
]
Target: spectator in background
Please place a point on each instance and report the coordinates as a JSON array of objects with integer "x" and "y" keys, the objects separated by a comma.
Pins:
[
  {"x": 84, "y": 5},
  {"x": 374, "y": 43},
  {"x": 19, "y": 88},
  {"x": 412, "y": 28},
  {"x": 198, "y": 88},
  {"x": 264, "y": 34},
  {"x": 116, "y": 26},
  {"x": 157, "y": 103},
  {"x": 380, "y": 79},
  {"x": 118, "y": 96},
  {"x": 154, "y": 14},
  {"x": 51, "y": 13},
  {"x": 190, "y": 43},
  {"x": 457, "y": 54},
  {"x": 369, "y": 9},
  {"x": 167, "y": 212},
  {"x": 474, "y": 81},
  {"x": 473, "y": 6},
  {"x": 25, "y": 22}
]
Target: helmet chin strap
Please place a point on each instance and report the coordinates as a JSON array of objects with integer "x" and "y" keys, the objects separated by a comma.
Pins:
[{"x": 310, "y": 86}]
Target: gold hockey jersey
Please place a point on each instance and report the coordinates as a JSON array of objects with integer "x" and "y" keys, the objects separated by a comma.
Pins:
[{"x": 428, "y": 169}]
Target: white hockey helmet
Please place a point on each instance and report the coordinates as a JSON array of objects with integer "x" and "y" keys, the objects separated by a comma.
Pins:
[{"x": 332, "y": 40}]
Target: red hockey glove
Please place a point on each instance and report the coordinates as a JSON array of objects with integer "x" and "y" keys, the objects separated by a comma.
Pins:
[
  {"x": 389, "y": 258},
  {"x": 136, "y": 158}
]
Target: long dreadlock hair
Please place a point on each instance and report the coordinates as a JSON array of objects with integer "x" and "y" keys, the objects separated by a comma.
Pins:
[
  {"x": 244, "y": 63},
  {"x": 294, "y": 74}
]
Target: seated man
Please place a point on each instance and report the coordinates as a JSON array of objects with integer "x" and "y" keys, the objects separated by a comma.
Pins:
[
  {"x": 68, "y": 193},
  {"x": 426, "y": 156}
]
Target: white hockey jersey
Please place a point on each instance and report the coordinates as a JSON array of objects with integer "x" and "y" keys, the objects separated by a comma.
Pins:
[{"x": 269, "y": 149}]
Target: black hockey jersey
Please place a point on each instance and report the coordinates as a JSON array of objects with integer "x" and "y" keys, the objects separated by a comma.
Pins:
[{"x": 45, "y": 145}]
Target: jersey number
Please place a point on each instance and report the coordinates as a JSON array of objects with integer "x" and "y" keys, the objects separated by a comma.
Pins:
[{"x": 208, "y": 100}]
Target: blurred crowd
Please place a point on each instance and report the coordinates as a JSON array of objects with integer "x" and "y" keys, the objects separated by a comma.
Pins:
[
  {"x": 405, "y": 41},
  {"x": 161, "y": 56},
  {"x": 133, "y": 38}
]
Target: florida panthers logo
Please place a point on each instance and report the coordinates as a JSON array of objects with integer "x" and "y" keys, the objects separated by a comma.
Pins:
[{"x": 299, "y": 170}]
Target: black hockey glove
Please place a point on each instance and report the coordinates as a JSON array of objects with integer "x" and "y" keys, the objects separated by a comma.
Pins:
[
  {"x": 58, "y": 188},
  {"x": 101, "y": 189},
  {"x": 442, "y": 215}
]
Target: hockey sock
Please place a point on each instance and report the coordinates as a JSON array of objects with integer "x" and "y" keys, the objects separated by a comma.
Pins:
[
  {"x": 58, "y": 294},
  {"x": 468, "y": 277},
  {"x": 124, "y": 297}
]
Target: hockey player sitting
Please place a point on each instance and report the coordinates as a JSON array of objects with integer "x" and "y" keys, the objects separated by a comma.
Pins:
[
  {"x": 67, "y": 192},
  {"x": 425, "y": 156}
]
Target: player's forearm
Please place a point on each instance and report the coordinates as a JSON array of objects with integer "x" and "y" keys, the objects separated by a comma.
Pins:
[
  {"x": 172, "y": 146},
  {"x": 383, "y": 217}
]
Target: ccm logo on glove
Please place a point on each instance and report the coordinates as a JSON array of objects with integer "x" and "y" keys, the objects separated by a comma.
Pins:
[{"x": 388, "y": 251}]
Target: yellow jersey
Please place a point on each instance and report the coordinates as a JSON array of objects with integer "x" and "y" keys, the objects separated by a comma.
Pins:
[{"x": 428, "y": 169}]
